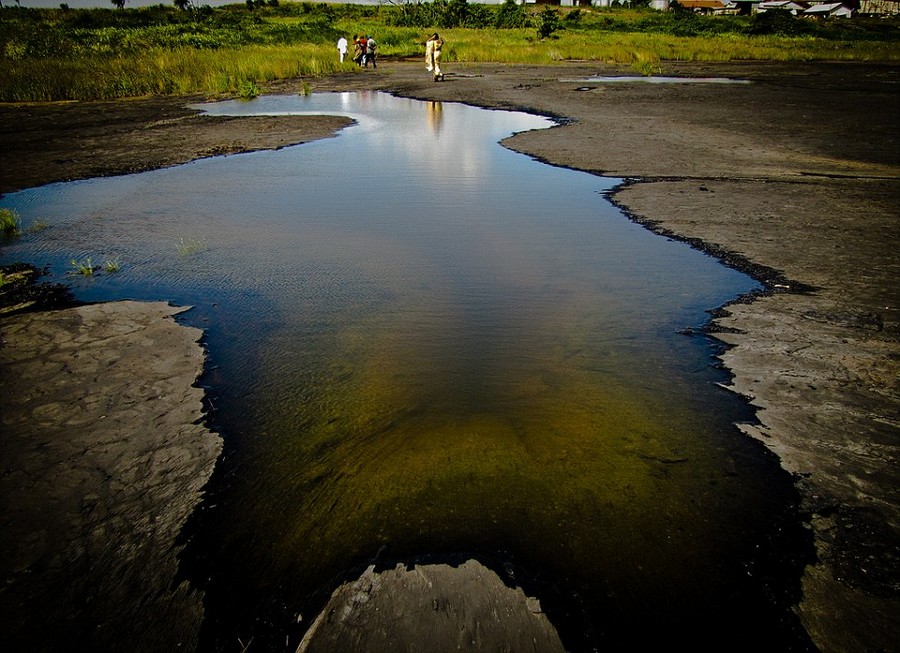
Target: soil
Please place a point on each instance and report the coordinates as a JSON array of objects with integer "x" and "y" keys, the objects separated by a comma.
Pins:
[{"x": 793, "y": 178}]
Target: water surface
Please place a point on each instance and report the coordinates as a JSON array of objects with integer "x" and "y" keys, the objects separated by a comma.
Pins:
[{"x": 423, "y": 344}]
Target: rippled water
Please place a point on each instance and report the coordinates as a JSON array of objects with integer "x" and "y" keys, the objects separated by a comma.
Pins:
[{"x": 421, "y": 343}]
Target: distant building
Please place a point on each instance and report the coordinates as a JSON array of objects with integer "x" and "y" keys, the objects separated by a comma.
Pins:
[
  {"x": 785, "y": 5},
  {"x": 745, "y": 7},
  {"x": 707, "y": 6},
  {"x": 829, "y": 10}
]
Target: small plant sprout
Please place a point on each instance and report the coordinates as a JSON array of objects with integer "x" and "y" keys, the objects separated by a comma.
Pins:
[
  {"x": 84, "y": 267},
  {"x": 307, "y": 89},
  {"x": 112, "y": 265},
  {"x": 10, "y": 222},
  {"x": 188, "y": 246}
]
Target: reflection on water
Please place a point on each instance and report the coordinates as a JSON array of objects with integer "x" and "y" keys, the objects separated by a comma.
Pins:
[
  {"x": 422, "y": 343},
  {"x": 434, "y": 111}
]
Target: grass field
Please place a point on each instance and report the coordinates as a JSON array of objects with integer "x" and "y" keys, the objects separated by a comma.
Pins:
[{"x": 64, "y": 54}]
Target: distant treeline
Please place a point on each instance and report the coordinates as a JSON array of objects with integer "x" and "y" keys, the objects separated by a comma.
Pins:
[{"x": 101, "y": 53}]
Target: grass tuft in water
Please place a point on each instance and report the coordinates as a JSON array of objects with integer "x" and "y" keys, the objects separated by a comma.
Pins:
[
  {"x": 188, "y": 246},
  {"x": 248, "y": 90},
  {"x": 10, "y": 222},
  {"x": 646, "y": 64},
  {"x": 112, "y": 265},
  {"x": 84, "y": 267}
]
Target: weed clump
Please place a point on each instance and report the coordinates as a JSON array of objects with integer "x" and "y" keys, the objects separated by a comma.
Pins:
[
  {"x": 84, "y": 267},
  {"x": 10, "y": 222},
  {"x": 188, "y": 246}
]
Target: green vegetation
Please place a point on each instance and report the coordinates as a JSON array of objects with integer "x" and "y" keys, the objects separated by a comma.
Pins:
[
  {"x": 10, "y": 222},
  {"x": 20, "y": 291},
  {"x": 59, "y": 54},
  {"x": 247, "y": 90},
  {"x": 547, "y": 22},
  {"x": 37, "y": 225},
  {"x": 84, "y": 267},
  {"x": 188, "y": 246}
]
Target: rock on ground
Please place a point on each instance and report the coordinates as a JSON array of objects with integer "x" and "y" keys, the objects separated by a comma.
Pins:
[{"x": 431, "y": 608}]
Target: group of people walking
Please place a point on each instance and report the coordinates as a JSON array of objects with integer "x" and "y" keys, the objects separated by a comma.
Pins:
[
  {"x": 364, "y": 53},
  {"x": 364, "y": 47}
]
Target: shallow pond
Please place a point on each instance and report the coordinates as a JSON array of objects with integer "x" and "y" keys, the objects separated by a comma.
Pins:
[{"x": 424, "y": 344}]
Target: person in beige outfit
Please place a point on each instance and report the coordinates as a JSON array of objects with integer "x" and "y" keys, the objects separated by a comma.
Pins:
[{"x": 433, "y": 56}]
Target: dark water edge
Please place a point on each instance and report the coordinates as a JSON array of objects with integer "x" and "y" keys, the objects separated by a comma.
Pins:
[{"x": 751, "y": 609}]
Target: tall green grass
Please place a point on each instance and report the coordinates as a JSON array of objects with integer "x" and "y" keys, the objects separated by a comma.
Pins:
[
  {"x": 522, "y": 46},
  {"x": 104, "y": 54},
  {"x": 160, "y": 72}
]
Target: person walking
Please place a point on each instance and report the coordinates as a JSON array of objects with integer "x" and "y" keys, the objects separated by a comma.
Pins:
[
  {"x": 433, "y": 47},
  {"x": 359, "y": 50},
  {"x": 342, "y": 47},
  {"x": 370, "y": 52}
]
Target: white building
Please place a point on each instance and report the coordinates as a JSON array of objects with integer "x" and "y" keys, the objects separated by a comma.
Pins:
[
  {"x": 829, "y": 10},
  {"x": 787, "y": 5}
]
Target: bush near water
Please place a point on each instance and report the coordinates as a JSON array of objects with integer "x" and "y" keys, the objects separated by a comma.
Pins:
[{"x": 86, "y": 54}]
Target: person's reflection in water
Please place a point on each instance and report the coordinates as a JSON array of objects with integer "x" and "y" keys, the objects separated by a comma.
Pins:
[{"x": 435, "y": 113}]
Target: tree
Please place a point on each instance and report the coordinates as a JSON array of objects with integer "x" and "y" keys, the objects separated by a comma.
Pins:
[
  {"x": 548, "y": 22},
  {"x": 510, "y": 16},
  {"x": 119, "y": 4},
  {"x": 455, "y": 13}
]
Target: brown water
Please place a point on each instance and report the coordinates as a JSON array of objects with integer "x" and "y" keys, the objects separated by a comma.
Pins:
[{"x": 423, "y": 345}]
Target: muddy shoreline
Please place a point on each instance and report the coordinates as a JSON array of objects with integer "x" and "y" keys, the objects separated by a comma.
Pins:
[{"x": 793, "y": 178}]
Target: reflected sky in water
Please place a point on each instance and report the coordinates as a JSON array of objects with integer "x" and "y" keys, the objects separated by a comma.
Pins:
[{"x": 423, "y": 343}]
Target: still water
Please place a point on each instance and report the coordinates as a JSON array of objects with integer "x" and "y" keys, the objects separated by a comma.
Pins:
[{"x": 424, "y": 344}]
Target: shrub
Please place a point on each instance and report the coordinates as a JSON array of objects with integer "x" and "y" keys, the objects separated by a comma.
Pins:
[
  {"x": 547, "y": 22},
  {"x": 511, "y": 16},
  {"x": 778, "y": 21}
]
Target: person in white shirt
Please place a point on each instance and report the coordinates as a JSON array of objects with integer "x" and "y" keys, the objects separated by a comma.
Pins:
[{"x": 433, "y": 56}]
